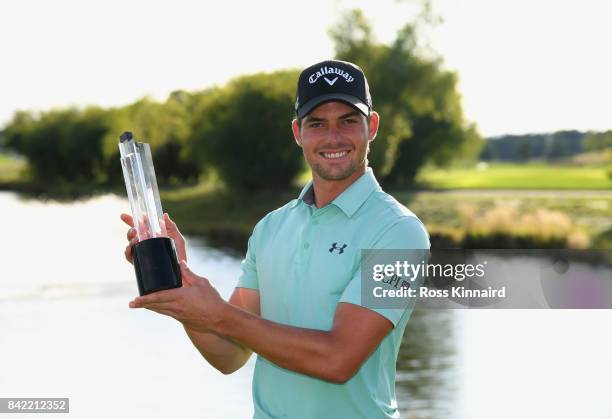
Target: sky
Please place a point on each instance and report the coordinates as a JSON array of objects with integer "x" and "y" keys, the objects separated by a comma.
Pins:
[{"x": 523, "y": 65}]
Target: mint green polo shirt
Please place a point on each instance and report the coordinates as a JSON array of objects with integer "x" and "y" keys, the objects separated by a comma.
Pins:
[{"x": 305, "y": 260}]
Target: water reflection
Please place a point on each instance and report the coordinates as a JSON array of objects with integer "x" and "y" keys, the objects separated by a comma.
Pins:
[
  {"x": 427, "y": 366},
  {"x": 66, "y": 331}
]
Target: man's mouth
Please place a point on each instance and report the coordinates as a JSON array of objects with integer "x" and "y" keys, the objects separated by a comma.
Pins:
[{"x": 335, "y": 154}]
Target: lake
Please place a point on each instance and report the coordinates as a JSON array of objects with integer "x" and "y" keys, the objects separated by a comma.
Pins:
[{"x": 66, "y": 331}]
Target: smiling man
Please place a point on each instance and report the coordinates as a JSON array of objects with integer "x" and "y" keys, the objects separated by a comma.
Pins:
[{"x": 321, "y": 353}]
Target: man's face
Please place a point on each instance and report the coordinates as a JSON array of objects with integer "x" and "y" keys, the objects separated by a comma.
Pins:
[{"x": 335, "y": 139}]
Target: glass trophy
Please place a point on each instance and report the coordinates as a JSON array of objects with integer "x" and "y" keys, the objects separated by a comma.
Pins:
[{"x": 154, "y": 255}]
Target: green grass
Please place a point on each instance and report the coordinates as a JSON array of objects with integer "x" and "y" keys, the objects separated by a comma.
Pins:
[
  {"x": 517, "y": 176},
  {"x": 10, "y": 169}
]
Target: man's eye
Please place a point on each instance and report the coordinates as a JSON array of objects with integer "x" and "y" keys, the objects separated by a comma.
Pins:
[
  {"x": 315, "y": 125},
  {"x": 350, "y": 121}
]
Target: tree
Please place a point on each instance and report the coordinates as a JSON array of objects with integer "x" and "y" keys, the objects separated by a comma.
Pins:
[
  {"x": 60, "y": 145},
  {"x": 164, "y": 126},
  {"x": 243, "y": 129},
  {"x": 523, "y": 149},
  {"x": 598, "y": 141},
  {"x": 421, "y": 115}
]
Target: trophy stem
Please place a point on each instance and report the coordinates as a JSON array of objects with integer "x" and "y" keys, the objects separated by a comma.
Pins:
[{"x": 151, "y": 213}]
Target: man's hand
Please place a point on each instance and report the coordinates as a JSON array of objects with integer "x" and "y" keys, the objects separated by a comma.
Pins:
[
  {"x": 171, "y": 229},
  {"x": 197, "y": 304},
  {"x": 194, "y": 305}
]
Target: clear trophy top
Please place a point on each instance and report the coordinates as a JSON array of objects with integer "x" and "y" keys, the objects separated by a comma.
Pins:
[{"x": 141, "y": 186}]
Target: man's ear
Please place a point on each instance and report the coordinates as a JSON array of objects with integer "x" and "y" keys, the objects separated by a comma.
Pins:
[
  {"x": 374, "y": 123},
  {"x": 295, "y": 127}
]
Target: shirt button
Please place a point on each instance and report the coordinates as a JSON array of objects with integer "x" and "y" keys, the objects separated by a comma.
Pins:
[
  {"x": 315, "y": 222},
  {"x": 306, "y": 245}
]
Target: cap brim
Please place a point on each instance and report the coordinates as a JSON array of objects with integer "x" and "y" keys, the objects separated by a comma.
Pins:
[{"x": 307, "y": 107}]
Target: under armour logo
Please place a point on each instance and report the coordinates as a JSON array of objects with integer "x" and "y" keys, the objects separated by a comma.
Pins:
[
  {"x": 330, "y": 82},
  {"x": 335, "y": 247}
]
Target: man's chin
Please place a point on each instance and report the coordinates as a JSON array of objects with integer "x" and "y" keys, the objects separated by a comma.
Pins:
[
  {"x": 341, "y": 176},
  {"x": 335, "y": 174}
]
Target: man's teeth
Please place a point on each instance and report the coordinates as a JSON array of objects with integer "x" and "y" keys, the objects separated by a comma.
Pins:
[{"x": 335, "y": 155}]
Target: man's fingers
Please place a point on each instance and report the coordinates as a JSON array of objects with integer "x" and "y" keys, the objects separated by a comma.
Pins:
[
  {"x": 187, "y": 280},
  {"x": 169, "y": 223},
  {"x": 187, "y": 276},
  {"x": 185, "y": 268},
  {"x": 166, "y": 296},
  {"x": 158, "y": 308},
  {"x": 129, "y": 250},
  {"x": 192, "y": 278},
  {"x": 172, "y": 229},
  {"x": 131, "y": 234},
  {"x": 127, "y": 218}
]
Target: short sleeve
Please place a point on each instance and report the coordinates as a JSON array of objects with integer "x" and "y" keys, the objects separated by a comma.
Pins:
[
  {"x": 408, "y": 233},
  {"x": 248, "y": 276}
]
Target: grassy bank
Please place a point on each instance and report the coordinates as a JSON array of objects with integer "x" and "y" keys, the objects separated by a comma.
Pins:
[
  {"x": 577, "y": 215},
  {"x": 227, "y": 219},
  {"x": 452, "y": 217},
  {"x": 517, "y": 176}
]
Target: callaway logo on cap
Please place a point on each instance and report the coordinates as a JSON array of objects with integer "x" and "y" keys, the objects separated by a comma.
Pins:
[{"x": 332, "y": 80}]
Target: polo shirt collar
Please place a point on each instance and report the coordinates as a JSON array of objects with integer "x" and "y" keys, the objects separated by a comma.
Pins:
[
  {"x": 351, "y": 199},
  {"x": 306, "y": 195}
]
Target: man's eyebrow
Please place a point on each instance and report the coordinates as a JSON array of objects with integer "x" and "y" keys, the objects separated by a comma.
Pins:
[
  {"x": 309, "y": 118},
  {"x": 350, "y": 114}
]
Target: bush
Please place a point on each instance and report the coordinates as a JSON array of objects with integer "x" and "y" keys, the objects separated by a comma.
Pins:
[
  {"x": 165, "y": 127},
  {"x": 244, "y": 131},
  {"x": 61, "y": 145},
  {"x": 504, "y": 227}
]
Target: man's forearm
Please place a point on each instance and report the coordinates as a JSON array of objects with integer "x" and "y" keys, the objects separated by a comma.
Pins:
[
  {"x": 223, "y": 354},
  {"x": 307, "y": 351}
]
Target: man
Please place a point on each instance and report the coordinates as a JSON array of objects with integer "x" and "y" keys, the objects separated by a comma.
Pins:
[{"x": 321, "y": 353}]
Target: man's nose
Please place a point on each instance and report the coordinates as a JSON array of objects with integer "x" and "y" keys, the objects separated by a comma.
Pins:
[{"x": 333, "y": 133}]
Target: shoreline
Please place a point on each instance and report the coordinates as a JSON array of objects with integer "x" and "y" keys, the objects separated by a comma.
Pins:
[{"x": 226, "y": 218}]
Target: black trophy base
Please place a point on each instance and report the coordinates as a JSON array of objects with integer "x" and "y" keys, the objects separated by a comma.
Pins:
[{"x": 156, "y": 265}]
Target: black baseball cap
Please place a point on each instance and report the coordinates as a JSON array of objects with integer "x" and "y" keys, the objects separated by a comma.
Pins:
[{"x": 332, "y": 80}]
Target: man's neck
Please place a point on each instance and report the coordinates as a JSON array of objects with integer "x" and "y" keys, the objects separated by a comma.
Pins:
[{"x": 325, "y": 191}]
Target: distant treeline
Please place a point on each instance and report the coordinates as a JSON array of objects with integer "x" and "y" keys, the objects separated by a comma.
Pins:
[
  {"x": 554, "y": 146},
  {"x": 240, "y": 132}
]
